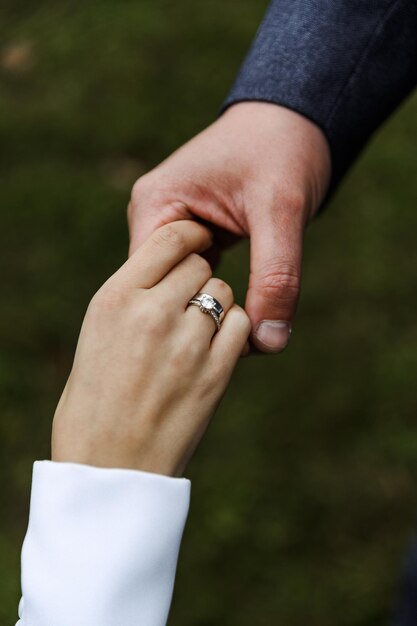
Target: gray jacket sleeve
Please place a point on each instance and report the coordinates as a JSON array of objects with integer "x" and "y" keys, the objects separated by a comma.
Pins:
[{"x": 344, "y": 64}]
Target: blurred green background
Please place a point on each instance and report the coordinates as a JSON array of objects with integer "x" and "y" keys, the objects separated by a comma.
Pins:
[{"x": 304, "y": 488}]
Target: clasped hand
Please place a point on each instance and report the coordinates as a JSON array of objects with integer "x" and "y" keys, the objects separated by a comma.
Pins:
[{"x": 149, "y": 370}]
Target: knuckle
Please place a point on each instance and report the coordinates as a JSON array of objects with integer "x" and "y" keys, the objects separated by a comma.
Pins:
[
  {"x": 170, "y": 235},
  {"x": 200, "y": 264},
  {"x": 222, "y": 288},
  {"x": 140, "y": 190},
  {"x": 109, "y": 297},
  {"x": 294, "y": 201},
  {"x": 280, "y": 279},
  {"x": 151, "y": 191}
]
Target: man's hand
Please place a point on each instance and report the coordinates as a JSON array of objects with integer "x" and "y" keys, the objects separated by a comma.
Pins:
[{"x": 260, "y": 171}]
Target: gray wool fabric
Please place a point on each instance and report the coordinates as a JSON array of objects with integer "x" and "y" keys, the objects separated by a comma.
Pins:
[{"x": 344, "y": 64}]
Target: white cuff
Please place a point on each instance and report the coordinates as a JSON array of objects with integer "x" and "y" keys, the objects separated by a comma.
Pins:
[{"x": 101, "y": 547}]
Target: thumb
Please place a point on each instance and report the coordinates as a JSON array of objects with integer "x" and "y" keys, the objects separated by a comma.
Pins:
[{"x": 276, "y": 243}]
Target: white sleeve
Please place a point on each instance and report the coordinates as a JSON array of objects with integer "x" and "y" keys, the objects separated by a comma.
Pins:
[{"x": 101, "y": 547}]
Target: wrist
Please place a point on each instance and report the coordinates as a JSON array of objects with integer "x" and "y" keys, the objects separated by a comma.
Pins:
[{"x": 148, "y": 454}]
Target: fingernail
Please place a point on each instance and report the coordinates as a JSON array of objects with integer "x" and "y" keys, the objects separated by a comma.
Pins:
[{"x": 272, "y": 335}]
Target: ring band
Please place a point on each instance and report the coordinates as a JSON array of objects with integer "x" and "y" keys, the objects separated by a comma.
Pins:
[{"x": 209, "y": 305}]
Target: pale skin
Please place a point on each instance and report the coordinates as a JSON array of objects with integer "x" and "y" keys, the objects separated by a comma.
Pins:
[
  {"x": 259, "y": 171},
  {"x": 149, "y": 371}
]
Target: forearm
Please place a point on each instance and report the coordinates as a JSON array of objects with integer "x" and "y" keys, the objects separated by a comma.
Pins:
[
  {"x": 344, "y": 64},
  {"x": 101, "y": 547}
]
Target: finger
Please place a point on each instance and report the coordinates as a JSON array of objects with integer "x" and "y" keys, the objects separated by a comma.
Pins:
[
  {"x": 274, "y": 283},
  {"x": 166, "y": 247},
  {"x": 184, "y": 280},
  {"x": 202, "y": 324},
  {"x": 232, "y": 340},
  {"x": 147, "y": 211}
]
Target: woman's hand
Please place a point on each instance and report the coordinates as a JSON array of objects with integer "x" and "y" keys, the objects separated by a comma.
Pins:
[{"x": 149, "y": 371}]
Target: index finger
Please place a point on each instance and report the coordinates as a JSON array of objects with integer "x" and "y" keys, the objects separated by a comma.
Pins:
[{"x": 166, "y": 246}]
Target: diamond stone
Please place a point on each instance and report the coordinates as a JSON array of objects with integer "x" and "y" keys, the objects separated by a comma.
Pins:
[{"x": 207, "y": 302}]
